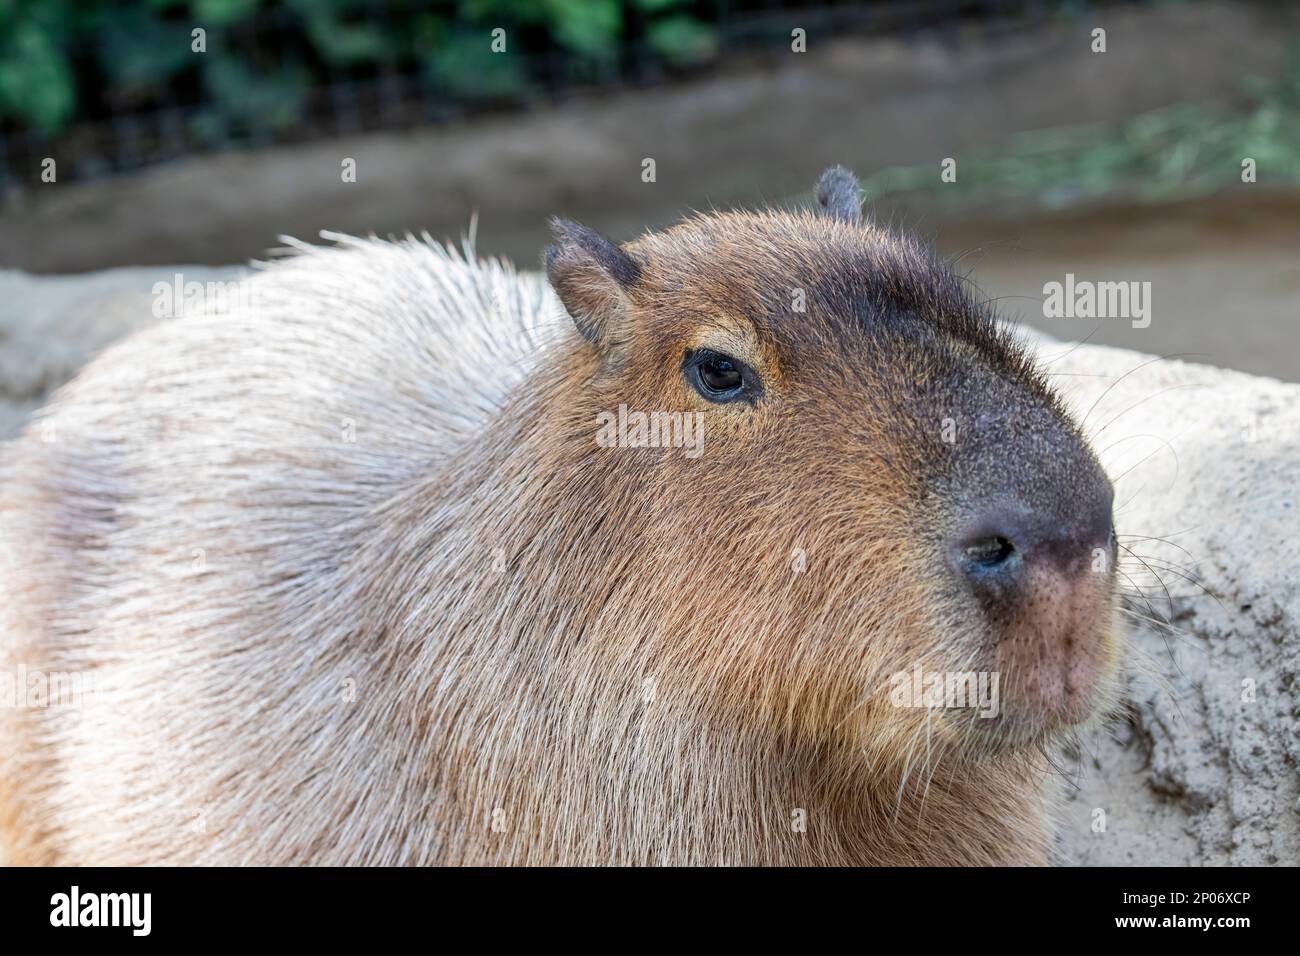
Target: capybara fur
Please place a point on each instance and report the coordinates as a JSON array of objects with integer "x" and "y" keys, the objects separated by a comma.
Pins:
[{"x": 353, "y": 578}]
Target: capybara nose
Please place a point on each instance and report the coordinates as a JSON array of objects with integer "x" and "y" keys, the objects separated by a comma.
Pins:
[{"x": 995, "y": 551}]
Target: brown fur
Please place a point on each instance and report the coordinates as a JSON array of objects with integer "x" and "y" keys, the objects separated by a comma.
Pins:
[{"x": 561, "y": 653}]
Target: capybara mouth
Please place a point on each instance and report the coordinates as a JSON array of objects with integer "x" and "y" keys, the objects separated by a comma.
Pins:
[
  {"x": 1056, "y": 652},
  {"x": 1051, "y": 681},
  {"x": 1050, "y": 641}
]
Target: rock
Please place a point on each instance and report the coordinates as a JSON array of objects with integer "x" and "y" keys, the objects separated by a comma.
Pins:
[
  {"x": 1203, "y": 767},
  {"x": 1204, "y": 770},
  {"x": 52, "y": 325}
]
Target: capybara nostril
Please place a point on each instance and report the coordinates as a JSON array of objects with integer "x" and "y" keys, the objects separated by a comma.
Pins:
[
  {"x": 988, "y": 561},
  {"x": 992, "y": 553}
]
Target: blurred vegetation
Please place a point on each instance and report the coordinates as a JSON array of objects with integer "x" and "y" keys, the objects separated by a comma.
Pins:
[
  {"x": 65, "y": 61},
  {"x": 1184, "y": 151},
  {"x": 268, "y": 65}
]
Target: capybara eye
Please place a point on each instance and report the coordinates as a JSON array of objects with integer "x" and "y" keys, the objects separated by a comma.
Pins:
[
  {"x": 720, "y": 375},
  {"x": 717, "y": 377},
  {"x": 990, "y": 551}
]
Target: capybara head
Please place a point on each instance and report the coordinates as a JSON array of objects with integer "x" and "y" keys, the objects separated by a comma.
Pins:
[{"x": 862, "y": 518}]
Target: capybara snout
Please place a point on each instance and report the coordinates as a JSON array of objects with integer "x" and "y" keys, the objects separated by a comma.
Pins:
[{"x": 1032, "y": 548}]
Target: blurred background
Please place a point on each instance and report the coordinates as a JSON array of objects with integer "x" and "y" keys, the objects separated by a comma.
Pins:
[{"x": 196, "y": 132}]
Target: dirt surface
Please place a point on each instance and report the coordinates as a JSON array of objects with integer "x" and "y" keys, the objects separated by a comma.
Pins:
[{"x": 1224, "y": 274}]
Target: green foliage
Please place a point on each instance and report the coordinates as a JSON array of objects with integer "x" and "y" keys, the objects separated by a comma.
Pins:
[
  {"x": 466, "y": 66},
  {"x": 271, "y": 98},
  {"x": 678, "y": 37},
  {"x": 65, "y": 60},
  {"x": 683, "y": 40},
  {"x": 36, "y": 82},
  {"x": 140, "y": 51},
  {"x": 590, "y": 27},
  {"x": 213, "y": 12},
  {"x": 337, "y": 41}
]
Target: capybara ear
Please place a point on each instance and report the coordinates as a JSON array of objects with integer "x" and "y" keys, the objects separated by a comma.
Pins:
[
  {"x": 590, "y": 274},
  {"x": 839, "y": 196}
]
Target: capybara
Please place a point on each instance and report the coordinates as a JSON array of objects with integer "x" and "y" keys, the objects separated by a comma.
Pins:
[{"x": 406, "y": 558}]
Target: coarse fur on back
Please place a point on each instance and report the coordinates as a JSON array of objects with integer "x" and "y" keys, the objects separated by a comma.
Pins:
[{"x": 356, "y": 582}]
